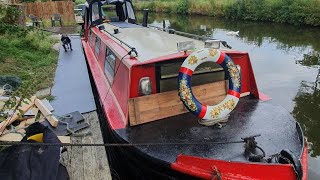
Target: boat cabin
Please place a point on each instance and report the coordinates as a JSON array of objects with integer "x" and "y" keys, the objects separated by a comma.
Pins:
[{"x": 136, "y": 68}]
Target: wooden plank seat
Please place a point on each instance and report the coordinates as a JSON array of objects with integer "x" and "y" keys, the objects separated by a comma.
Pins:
[{"x": 162, "y": 105}]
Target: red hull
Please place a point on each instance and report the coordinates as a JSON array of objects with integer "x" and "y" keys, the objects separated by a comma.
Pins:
[{"x": 208, "y": 169}]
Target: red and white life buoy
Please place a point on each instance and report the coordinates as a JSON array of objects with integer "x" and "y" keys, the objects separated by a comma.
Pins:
[{"x": 222, "y": 109}]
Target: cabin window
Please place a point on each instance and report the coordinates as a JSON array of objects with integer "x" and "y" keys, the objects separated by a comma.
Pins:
[
  {"x": 97, "y": 46},
  {"x": 109, "y": 63},
  {"x": 167, "y": 74}
]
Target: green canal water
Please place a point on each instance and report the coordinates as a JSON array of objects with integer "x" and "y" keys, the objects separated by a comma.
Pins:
[{"x": 285, "y": 59}]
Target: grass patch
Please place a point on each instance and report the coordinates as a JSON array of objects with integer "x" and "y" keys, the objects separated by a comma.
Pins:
[
  {"x": 297, "y": 12},
  {"x": 28, "y": 54},
  {"x": 50, "y": 98},
  {"x": 79, "y": 2}
]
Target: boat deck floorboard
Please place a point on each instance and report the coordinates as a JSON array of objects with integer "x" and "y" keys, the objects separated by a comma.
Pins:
[{"x": 87, "y": 163}]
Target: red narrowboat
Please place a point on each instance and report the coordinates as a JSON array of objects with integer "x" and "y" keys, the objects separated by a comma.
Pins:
[{"x": 221, "y": 127}]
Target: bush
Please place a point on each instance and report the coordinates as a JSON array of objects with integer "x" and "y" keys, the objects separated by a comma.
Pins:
[
  {"x": 183, "y": 7},
  {"x": 14, "y": 30},
  {"x": 9, "y": 14},
  {"x": 297, "y": 12},
  {"x": 79, "y": 1}
]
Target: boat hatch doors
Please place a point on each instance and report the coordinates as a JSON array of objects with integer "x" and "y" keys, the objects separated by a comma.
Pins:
[
  {"x": 124, "y": 10},
  {"x": 130, "y": 13},
  {"x": 95, "y": 12}
]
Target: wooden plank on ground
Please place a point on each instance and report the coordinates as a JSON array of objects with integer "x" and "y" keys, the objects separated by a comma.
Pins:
[
  {"x": 89, "y": 158},
  {"x": 52, "y": 120},
  {"x": 89, "y": 163},
  {"x": 47, "y": 113},
  {"x": 64, "y": 139},
  {"x": 11, "y": 137},
  {"x": 99, "y": 153},
  {"x": 22, "y": 127},
  {"x": 158, "y": 106},
  {"x": 23, "y": 108},
  {"x": 16, "y": 137},
  {"x": 33, "y": 119},
  {"x": 76, "y": 160},
  {"x": 44, "y": 110},
  {"x": 47, "y": 104}
]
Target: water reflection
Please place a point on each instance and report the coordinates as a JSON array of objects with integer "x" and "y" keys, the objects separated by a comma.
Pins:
[
  {"x": 311, "y": 59},
  {"x": 306, "y": 111},
  {"x": 289, "y": 36},
  {"x": 307, "y": 103}
]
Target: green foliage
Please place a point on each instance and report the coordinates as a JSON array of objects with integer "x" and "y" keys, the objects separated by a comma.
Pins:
[
  {"x": 310, "y": 59},
  {"x": 79, "y": 2},
  {"x": 14, "y": 29},
  {"x": 28, "y": 54},
  {"x": 13, "y": 103},
  {"x": 9, "y": 14},
  {"x": 183, "y": 6},
  {"x": 297, "y": 12}
]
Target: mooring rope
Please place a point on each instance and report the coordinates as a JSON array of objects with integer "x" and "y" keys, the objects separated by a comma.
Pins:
[{"x": 114, "y": 144}]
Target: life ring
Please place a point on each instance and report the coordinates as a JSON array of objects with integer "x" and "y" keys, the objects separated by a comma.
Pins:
[{"x": 203, "y": 111}]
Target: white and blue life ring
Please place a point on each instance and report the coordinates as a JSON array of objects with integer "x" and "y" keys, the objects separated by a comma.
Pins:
[{"x": 203, "y": 111}]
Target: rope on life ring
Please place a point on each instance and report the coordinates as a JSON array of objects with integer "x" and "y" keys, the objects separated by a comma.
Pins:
[{"x": 209, "y": 114}]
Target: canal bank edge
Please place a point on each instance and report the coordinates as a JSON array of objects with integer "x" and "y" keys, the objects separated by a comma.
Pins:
[{"x": 297, "y": 12}]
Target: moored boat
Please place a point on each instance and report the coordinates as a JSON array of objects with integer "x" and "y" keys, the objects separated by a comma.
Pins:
[{"x": 142, "y": 78}]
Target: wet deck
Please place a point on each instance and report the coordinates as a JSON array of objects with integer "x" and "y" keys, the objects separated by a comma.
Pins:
[
  {"x": 276, "y": 126},
  {"x": 72, "y": 92}
]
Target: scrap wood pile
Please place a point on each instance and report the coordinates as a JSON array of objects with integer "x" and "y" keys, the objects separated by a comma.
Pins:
[
  {"x": 20, "y": 122},
  {"x": 25, "y": 112}
]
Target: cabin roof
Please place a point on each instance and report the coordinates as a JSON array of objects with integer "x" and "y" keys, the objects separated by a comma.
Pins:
[{"x": 150, "y": 43}]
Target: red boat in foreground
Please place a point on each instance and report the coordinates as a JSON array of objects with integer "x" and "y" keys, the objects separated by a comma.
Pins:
[{"x": 142, "y": 77}]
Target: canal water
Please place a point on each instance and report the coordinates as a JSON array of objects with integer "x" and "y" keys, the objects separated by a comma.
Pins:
[{"x": 285, "y": 59}]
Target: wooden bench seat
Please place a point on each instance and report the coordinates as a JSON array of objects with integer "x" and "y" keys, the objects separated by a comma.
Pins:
[{"x": 162, "y": 105}]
